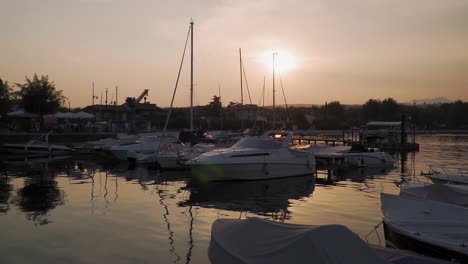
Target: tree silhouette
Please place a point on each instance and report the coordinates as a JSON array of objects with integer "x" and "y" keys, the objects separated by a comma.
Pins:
[
  {"x": 371, "y": 110},
  {"x": 40, "y": 96},
  {"x": 214, "y": 107},
  {"x": 5, "y": 96},
  {"x": 390, "y": 110}
]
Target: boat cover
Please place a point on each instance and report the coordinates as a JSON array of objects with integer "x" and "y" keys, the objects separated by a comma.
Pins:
[
  {"x": 456, "y": 178},
  {"x": 432, "y": 222},
  {"x": 254, "y": 240},
  {"x": 447, "y": 193}
]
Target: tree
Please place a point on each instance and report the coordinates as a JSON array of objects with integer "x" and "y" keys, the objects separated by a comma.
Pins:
[
  {"x": 457, "y": 117},
  {"x": 371, "y": 110},
  {"x": 390, "y": 110},
  {"x": 5, "y": 97},
  {"x": 40, "y": 96},
  {"x": 214, "y": 107}
]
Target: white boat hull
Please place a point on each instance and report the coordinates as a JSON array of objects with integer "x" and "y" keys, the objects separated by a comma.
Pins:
[
  {"x": 368, "y": 159},
  {"x": 37, "y": 150},
  {"x": 253, "y": 171}
]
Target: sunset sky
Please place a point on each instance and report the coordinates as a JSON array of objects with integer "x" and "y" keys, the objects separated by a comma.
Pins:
[{"x": 327, "y": 49}]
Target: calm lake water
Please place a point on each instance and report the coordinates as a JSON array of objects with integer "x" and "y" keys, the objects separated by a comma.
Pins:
[{"x": 82, "y": 210}]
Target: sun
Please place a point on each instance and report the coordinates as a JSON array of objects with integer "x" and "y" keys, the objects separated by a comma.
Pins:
[{"x": 284, "y": 61}]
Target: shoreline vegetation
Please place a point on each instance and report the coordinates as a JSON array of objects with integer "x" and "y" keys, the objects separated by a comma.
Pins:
[{"x": 40, "y": 96}]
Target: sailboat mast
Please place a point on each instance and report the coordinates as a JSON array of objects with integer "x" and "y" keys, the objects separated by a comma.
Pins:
[
  {"x": 274, "y": 108},
  {"x": 221, "y": 110},
  {"x": 242, "y": 90},
  {"x": 241, "y": 82},
  {"x": 191, "y": 75},
  {"x": 263, "y": 104}
]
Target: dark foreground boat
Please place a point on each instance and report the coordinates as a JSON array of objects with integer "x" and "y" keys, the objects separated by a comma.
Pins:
[
  {"x": 254, "y": 240},
  {"x": 428, "y": 227}
]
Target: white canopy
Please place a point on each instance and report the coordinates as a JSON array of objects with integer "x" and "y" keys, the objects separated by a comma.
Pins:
[
  {"x": 259, "y": 241},
  {"x": 70, "y": 115}
]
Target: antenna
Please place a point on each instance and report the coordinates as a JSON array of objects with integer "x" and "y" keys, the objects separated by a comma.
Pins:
[{"x": 191, "y": 74}]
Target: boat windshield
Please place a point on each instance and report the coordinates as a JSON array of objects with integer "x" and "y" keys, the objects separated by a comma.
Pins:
[{"x": 257, "y": 143}]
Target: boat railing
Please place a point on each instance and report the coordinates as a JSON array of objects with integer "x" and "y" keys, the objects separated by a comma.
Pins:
[{"x": 40, "y": 138}]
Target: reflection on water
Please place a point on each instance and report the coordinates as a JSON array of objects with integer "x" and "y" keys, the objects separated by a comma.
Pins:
[
  {"x": 90, "y": 210},
  {"x": 5, "y": 196},
  {"x": 264, "y": 197},
  {"x": 362, "y": 174},
  {"x": 38, "y": 196}
]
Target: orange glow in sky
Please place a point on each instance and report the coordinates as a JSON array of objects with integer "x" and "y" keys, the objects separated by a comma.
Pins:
[
  {"x": 347, "y": 51},
  {"x": 285, "y": 61}
]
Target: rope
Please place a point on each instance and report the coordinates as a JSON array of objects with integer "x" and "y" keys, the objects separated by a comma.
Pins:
[
  {"x": 284, "y": 96},
  {"x": 374, "y": 230},
  {"x": 246, "y": 84},
  {"x": 261, "y": 98}
]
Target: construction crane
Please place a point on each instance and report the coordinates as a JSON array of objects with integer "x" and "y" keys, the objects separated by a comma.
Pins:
[{"x": 131, "y": 104}]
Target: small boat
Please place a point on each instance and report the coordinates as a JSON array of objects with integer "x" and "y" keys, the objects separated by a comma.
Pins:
[
  {"x": 427, "y": 227},
  {"x": 38, "y": 146},
  {"x": 107, "y": 143},
  {"x": 171, "y": 156},
  {"x": 456, "y": 194},
  {"x": 443, "y": 175},
  {"x": 145, "y": 144},
  {"x": 255, "y": 240},
  {"x": 168, "y": 159},
  {"x": 354, "y": 156},
  {"x": 254, "y": 158}
]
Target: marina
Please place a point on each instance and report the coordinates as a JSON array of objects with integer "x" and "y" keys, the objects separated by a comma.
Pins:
[
  {"x": 347, "y": 141},
  {"x": 109, "y": 211}
]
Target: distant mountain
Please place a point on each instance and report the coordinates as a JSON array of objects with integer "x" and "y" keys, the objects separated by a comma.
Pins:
[{"x": 437, "y": 100}]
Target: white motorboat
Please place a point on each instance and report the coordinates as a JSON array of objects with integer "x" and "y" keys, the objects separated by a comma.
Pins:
[
  {"x": 145, "y": 145},
  {"x": 38, "y": 146},
  {"x": 427, "y": 227},
  {"x": 254, "y": 158},
  {"x": 255, "y": 240},
  {"x": 456, "y": 194},
  {"x": 107, "y": 143},
  {"x": 170, "y": 155},
  {"x": 354, "y": 156}
]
